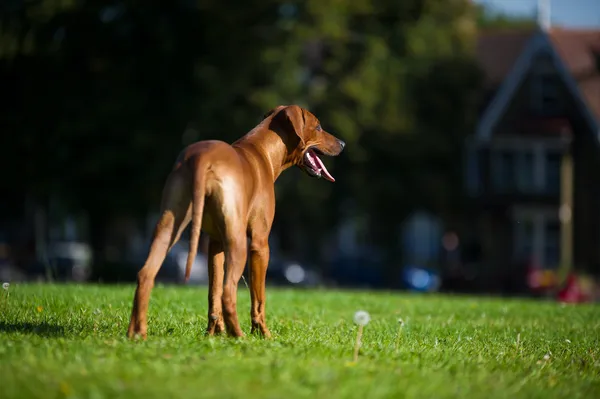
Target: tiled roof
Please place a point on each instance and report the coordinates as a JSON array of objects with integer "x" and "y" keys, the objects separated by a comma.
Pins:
[{"x": 497, "y": 51}]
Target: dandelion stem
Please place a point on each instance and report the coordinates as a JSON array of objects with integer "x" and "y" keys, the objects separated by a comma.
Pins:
[
  {"x": 398, "y": 333},
  {"x": 357, "y": 344},
  {"x": 398, "y": 339}
]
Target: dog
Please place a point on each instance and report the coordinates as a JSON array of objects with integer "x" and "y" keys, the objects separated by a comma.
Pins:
[{"x": 227, "y": 191}]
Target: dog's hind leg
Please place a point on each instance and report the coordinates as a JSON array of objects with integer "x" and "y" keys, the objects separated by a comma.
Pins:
[
  {"x": 175, "y": 216},
  {"x": 236, "y": 254},
  {"x": 259, "y": 261},
  {"x": 216, "y": 261}
]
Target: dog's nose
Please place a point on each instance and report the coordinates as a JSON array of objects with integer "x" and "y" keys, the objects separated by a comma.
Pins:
[{"x": 342, "y": 144}]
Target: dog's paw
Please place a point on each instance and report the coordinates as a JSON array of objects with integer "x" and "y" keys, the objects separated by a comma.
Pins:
[
  {"x": 261, "y": 330},
  {"x": 216, "y": 326},
  {"x": 137, "y": 336}
]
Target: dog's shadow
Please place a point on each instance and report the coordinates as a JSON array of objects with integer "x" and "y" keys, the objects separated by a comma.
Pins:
[{"x": 42, "y": 329}]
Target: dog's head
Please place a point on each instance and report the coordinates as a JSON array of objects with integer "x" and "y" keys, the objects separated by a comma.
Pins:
[{"x": 304, "y": 138}]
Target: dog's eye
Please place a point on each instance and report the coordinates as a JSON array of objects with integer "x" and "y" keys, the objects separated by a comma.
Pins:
[{"x": 318, "y": 128}]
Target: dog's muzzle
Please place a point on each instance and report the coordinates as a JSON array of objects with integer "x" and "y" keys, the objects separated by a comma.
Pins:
[{"x": 314, "y": 166}]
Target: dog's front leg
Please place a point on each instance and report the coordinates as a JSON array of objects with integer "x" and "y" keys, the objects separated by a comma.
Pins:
[{"x": 259, "y": 261}]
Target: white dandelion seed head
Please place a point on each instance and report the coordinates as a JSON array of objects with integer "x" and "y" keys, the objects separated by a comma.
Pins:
[
  {"x": 546, "y": 357},
  {"x": 362, "y": 318},
  {"x": 5, "y": 286}
]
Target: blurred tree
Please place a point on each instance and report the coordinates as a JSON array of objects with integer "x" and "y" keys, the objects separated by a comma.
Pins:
[{"x": 488, "y": 17}]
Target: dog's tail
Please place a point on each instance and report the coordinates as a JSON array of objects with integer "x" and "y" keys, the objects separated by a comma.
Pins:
[{"x": 198, "y": 193}]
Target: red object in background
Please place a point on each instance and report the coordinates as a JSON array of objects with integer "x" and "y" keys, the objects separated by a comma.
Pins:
[
  {"x": 534, "y": 277},
  {"x": 539, "y": 279},
  {"x": 572, "y": 292}
]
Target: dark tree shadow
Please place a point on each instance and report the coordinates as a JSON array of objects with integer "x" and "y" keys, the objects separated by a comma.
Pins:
[{"x": 42, "y": 329}]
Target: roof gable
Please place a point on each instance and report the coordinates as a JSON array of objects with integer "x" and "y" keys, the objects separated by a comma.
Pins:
[
  {"x": 580, "y": 51},
  {"x": 506, "y": 56}
]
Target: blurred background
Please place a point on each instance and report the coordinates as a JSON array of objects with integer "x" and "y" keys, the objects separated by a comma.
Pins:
[{"x": 473, "y": 149}]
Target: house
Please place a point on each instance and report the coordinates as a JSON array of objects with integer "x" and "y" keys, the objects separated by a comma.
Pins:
[{"x": 533, "y": 163}]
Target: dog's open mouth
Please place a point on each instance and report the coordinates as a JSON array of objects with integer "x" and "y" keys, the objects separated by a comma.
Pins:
[{"x": 314, "y": 166}]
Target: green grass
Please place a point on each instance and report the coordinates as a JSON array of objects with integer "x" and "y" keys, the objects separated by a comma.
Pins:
[{"x": 68, "y": 341}]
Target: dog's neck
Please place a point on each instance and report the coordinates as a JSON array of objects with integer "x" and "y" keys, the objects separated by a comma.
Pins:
[{"x": 269, "y": 146}]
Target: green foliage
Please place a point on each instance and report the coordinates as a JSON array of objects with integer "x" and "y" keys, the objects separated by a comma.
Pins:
[
  {"x": 487, "y": 17},
  {"x": 69, "y": 341}
]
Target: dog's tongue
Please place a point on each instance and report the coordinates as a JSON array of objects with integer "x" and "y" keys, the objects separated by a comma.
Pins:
[{"x": 324, "y": 172}]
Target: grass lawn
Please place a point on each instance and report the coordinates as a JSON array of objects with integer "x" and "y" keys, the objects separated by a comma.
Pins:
[{"x": 69, "y": 341}]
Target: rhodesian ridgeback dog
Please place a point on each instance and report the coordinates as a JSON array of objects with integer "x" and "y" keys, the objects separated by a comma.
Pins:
[{"x": 228, "y": 192}]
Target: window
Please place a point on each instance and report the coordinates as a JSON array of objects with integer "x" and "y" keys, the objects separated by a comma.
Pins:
[
  {"x": 525, "y": 168},
  {"x": 524, "y": 239},
  {"x": 528, "y": 168},
  {"x": 513, "y": 171},
  {"x": 551, "y": 244},
  {"x": 504, "y": 171},
  {"x": 552, "y": 165},
  {"x": 550, "y": 99},
  {"x": 545, "y": 98}
]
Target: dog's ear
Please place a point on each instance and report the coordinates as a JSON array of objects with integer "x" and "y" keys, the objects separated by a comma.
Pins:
[
  {"x": 272, "y": 111},
  {"x": 291, "y": 119}
]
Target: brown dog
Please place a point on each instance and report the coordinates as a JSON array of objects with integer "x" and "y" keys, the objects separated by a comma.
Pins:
[{"x": 228, "y": 192}]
